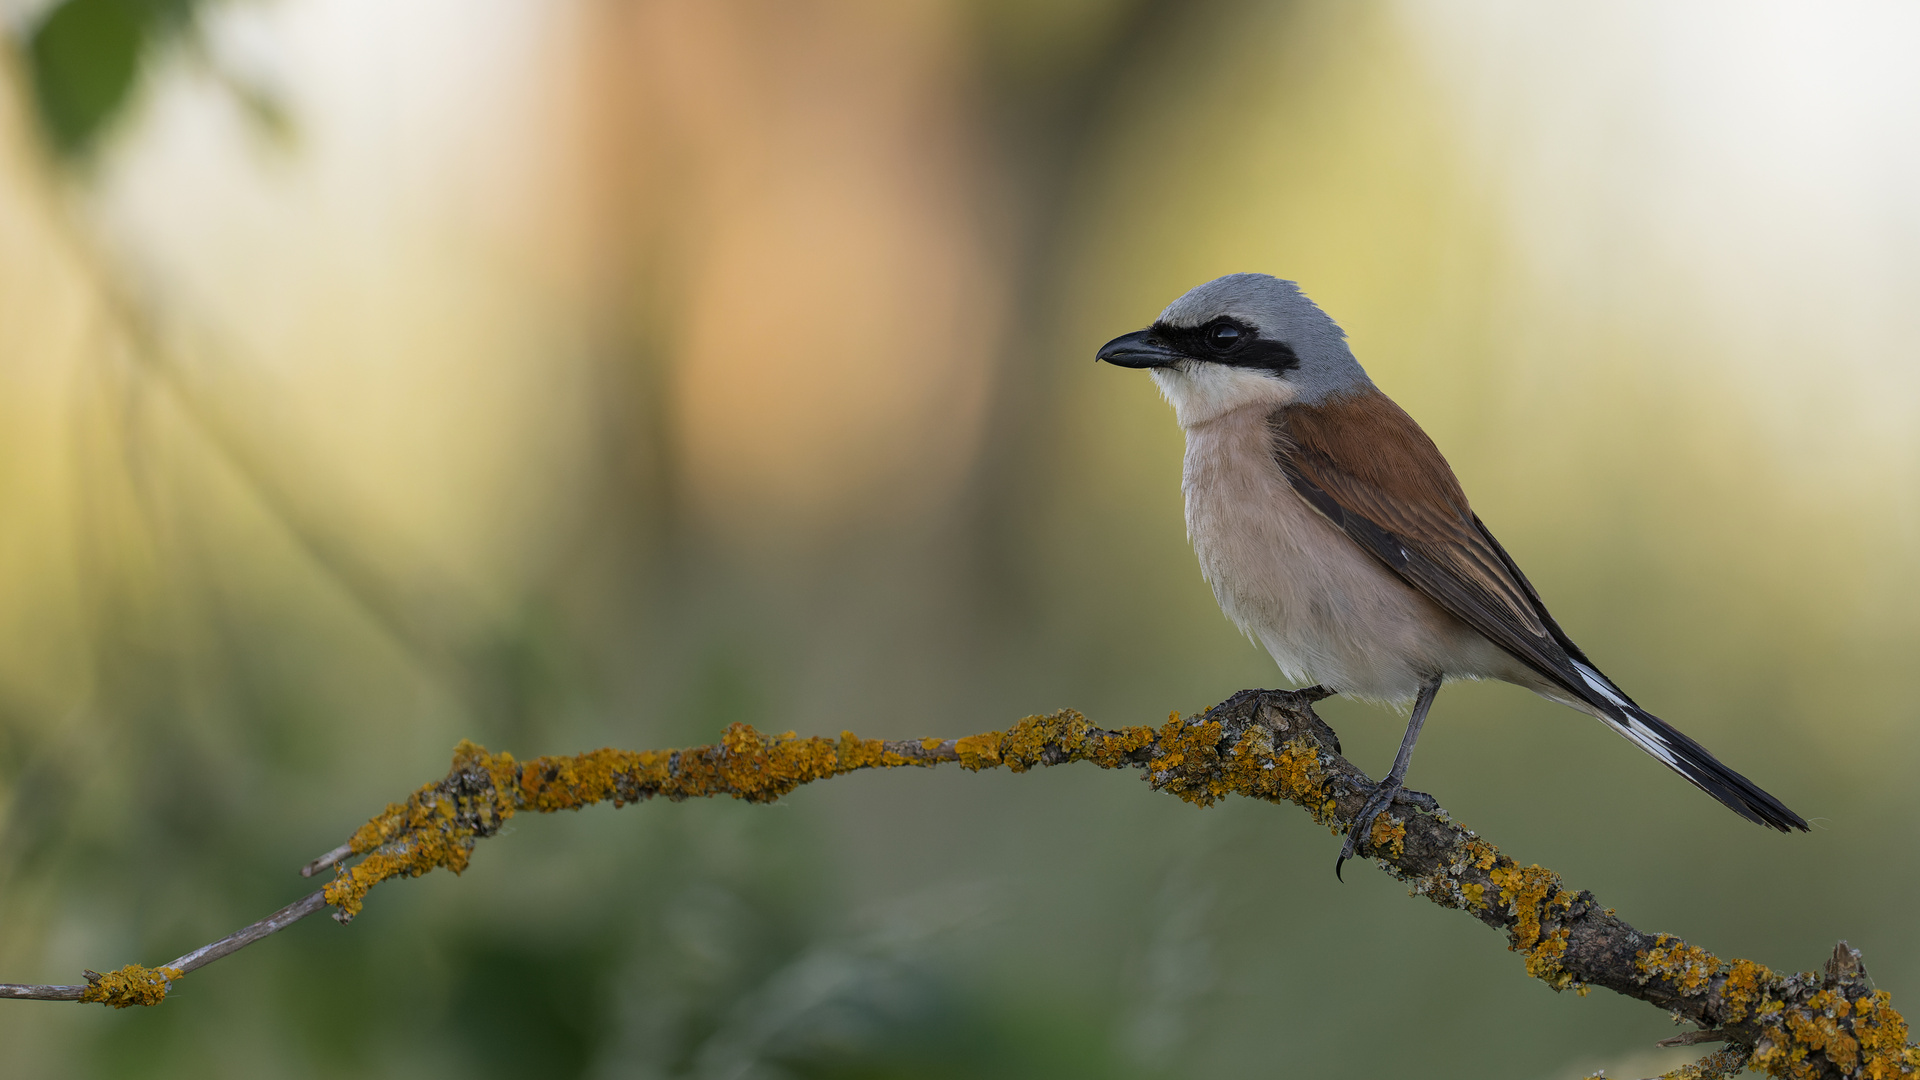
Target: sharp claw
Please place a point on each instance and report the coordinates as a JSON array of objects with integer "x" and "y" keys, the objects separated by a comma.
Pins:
[{"x": 1379, "y": 802}]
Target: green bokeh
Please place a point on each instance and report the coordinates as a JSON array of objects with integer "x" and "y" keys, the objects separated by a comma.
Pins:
[{"x": 86, "y": 58}]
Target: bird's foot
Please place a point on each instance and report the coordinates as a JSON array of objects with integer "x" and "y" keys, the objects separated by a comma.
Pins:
[{"x": 1385, "y": 794}]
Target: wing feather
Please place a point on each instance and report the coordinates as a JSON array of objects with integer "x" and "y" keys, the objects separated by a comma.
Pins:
[
  {"x": 1364, "y": 464},
  {"x": 1368, "y": 468}
]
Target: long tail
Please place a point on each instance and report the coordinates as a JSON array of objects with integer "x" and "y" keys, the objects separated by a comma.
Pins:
[{"x": 1684, "y": 756}]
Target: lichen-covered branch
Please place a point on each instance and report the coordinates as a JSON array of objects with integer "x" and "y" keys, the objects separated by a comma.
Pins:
[{"x": 1262, "y": 744}]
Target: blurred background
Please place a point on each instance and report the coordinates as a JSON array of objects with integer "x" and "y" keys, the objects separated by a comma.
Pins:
[{"x": 569, "y": 373}]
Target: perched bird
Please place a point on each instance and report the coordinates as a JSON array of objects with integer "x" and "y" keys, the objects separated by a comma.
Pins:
[{"x": 1334, "y": 533}]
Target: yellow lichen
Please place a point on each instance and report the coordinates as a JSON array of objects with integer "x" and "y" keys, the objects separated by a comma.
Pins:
[
  {"x": 1479, "y": 854},
  {"x": 854, "y": 752},
  {"x": 979, "y": 751},
  {"x": 1388, "y": 836},
  {"x": 1817, "y": 1026},
  {"x": 1533, "y": 896},
  {"x": 1028, "y": 741},
  {"x": 1025, "y": 745},
  {"x": 1117, "y": 749},
  {"x": 1248, "y": 767},
  {"x": 1881, "y": 1034},
  {"x": 1303, "y": 780},
  {"x": 129, "y": 986},
  {"x": 1522, "y": 889},
  {"x": 1689, "y": 967},
  {"x": 1543, "y": 960},
  {"x": 1188, "y": 764},
  {"x": 1745, "y": 984}
]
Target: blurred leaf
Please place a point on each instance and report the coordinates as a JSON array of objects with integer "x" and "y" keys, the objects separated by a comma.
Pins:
[{"x": 86, "y": 57}]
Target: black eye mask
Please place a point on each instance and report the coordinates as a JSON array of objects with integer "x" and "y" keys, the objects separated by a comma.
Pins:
[{"x": 1227, "y": 341}]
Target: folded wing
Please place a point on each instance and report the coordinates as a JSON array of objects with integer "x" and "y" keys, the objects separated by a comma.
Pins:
[{"x": 1363, "y": 463}]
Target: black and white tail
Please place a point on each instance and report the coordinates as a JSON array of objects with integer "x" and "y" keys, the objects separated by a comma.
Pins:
[{"x": 1683, "y": 755}]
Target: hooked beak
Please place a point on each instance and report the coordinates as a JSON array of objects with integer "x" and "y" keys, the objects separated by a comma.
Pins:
[{"x": 1137, "y": 350}]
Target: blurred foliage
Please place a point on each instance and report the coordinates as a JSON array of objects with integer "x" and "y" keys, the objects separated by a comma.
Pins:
[{"x": 86, "y": 58}]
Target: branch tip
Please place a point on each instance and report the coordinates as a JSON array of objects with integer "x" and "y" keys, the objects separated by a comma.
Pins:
[{"x": 329, "y": 859}]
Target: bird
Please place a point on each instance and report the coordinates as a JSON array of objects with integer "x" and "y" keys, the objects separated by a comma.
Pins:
[{"x": 1335, "y": 535}]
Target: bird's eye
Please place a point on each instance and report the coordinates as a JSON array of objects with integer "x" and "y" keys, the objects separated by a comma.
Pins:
[{"x": 1224, "y": 336}]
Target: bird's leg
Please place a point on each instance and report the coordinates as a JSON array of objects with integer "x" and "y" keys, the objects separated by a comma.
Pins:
[{"x": 1385, "y": 790}]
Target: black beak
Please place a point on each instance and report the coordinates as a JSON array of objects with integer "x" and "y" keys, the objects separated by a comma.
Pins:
[{"x": 1137, "y": 350}]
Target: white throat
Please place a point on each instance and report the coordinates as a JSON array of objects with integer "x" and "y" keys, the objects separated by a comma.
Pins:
[{"x": 1200, "y": 392}]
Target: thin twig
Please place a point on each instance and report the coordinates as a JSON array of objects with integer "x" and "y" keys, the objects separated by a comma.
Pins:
[
  {"x": 329, "y": 859},
  {"x": 198, "y": 958},
  {"x": 247, "y": 935},
  {"x": 37, "y": 992}
]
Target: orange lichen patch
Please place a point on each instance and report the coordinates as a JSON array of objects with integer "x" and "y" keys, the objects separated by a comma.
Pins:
[
  {"x": 1874, "y": 1045},
  {"x": 980, "y": 751},
  {"x": 569, "y": 783},
  {"x": 1188, "y": 763},
  {"x": 853, "y": 752},
  {"x": 417, "y": 854},
  {"x": 750, "y": 766},
  {"x": 1027, "y": 742},
  {"x": 1817, "y": 1026},
  {"x": 1522, "y": 889},
  {"x": 1689, "y": 967},
  {"x": 1882, "y": 1036},
  {"x": 1302, "y": 779},
  {"x": 505, "y": 773},
  {"x": 1388, "y": 836},
  {"x": 1533, "y": 896},
  {"x": 1292, "y": 773},
  {"x": 1744, "y": 987},
  {"x": 1543, "y": 960},
  {"x": 1116, "y": 750},
  {"x": 1474, "y": 895},
  {"x": 379, "y": 830},
  {"x": 1776, "y": 1055},
  {"x": 129, "y": 986}
]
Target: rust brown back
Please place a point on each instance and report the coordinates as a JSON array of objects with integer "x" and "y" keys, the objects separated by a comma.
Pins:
[{"x": 1366, "y": 455}]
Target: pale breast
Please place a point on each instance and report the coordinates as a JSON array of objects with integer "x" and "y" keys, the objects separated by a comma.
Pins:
[{"x": 1328, "y": 612}]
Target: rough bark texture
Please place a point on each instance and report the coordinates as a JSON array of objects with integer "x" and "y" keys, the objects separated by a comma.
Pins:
[{"x": 1263, "y": 744}]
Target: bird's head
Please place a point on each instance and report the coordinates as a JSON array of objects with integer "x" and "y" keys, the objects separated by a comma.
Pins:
[{"x": 1237, "y": 341}]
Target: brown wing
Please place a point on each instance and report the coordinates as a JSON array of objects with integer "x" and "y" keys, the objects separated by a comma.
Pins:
[
  {"x": 1369, "y": 468},
  {"x": 1364, "y": 463}
]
